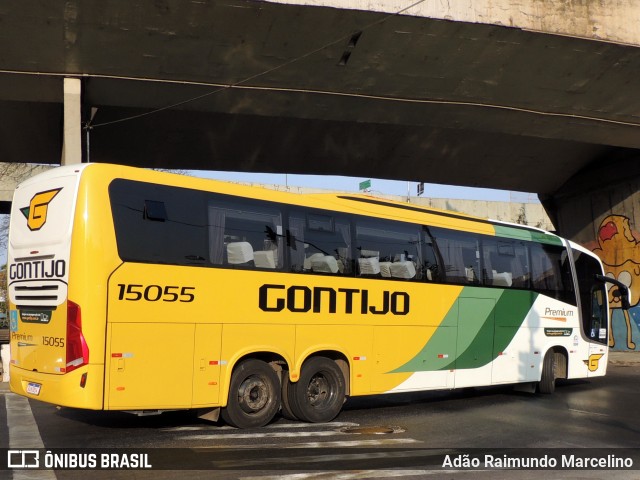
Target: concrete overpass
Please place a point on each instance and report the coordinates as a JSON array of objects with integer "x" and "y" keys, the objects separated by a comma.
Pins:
[
  {"x": 508, "y": 94},
  {"x": 529, "y": 95}
]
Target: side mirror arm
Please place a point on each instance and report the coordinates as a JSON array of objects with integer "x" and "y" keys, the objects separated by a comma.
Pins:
[{"x": 622, "y": 289}]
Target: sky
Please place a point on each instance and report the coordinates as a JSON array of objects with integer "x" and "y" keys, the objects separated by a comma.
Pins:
[{"x": 351, "y": 184}]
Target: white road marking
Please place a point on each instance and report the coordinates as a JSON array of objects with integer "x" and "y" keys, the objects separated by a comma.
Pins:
[
  {"x": 24, "y": 434},
  {"x": 281, "y": 463},
  {"x": 359, "y": 475},
  {"x": 574, "y": 410},
  {"x": 384, "y": 442},
  {"x": 334, "y": 425},
  {"x": 254, "y": 436}
]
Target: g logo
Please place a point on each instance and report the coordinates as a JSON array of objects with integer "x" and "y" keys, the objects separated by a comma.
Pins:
[
  {"x": 594, "y": 361},
  {"x": 36, "y": 212}
]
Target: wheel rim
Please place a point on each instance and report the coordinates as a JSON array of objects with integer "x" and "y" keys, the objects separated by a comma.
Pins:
[
  {"x": 253, "y": 394},
  {"x": 319, "y": 391}
]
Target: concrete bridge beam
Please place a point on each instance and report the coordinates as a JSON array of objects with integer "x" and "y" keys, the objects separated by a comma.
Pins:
[{"x": 72, "y": 132}]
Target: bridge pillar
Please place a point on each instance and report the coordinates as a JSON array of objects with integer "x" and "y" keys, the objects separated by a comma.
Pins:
[
  {"x": 599, "y": 208},
  {"x": 72, "y": 135}
]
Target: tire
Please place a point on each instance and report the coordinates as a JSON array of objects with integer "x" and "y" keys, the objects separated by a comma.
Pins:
[
  {"x": 286, "y": 411},
  {"x": 319, "y": 394},
  {"x": 254, "y": 395},
  {"x": 547, "y": 382}
]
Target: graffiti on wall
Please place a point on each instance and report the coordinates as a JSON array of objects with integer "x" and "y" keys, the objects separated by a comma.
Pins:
[{"x": 618, "y": 246}]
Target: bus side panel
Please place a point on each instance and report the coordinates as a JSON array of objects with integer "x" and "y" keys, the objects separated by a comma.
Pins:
[
  {"x": 206, "y": 365},
  {"x": 150, "y": 366},
  {"x": 517, "y": 361},
  {"x": 393, "y": 344},
  {"x": 476, "y": 325}
]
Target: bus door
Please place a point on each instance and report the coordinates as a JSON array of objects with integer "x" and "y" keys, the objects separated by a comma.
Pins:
[{"x": 594, "y": 310}]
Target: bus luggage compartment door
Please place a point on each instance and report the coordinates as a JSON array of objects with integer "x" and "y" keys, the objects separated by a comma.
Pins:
[{"x": 150, "y": 366}]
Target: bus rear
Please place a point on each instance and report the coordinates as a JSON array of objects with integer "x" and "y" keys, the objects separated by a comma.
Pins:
[{"x": 49, "y": 352}]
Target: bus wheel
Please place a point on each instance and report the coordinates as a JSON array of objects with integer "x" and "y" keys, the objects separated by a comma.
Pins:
[
  {"x": 319, "y": 394},
  {"x": 286, "y": 411},
  {"x": 547, "y": 382},
  {"x": 254, "y": 395}
]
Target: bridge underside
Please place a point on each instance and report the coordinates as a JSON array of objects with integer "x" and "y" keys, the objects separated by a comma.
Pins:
[{"x": 257, "y": 86}]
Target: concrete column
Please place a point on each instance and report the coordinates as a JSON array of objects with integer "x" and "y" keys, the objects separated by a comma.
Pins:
[
  {"x": 72, "y": 139},
  {"x": 600, "y": 209}
]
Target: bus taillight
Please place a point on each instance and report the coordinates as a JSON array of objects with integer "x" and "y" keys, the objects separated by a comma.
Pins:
[{"x": 77, "y": 349}]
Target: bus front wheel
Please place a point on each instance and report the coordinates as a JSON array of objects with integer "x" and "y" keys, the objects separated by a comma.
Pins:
[
  {"x": 319, "y": 394},
  {"x": 254, "y": 395},
  {"x": 547, "y": 382}
]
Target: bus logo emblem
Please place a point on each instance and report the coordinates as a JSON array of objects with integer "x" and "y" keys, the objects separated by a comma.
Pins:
[
  {"x": 36, "y": 212},
  {"x": 593, "y": 362}
]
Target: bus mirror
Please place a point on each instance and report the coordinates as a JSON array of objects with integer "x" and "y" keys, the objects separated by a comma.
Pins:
[{"x": 622, "y": 295}]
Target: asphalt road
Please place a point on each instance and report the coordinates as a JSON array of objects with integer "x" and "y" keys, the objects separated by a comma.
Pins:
[{"x": 403, "y": 435}]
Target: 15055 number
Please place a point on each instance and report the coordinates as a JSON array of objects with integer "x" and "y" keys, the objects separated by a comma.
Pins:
[
  {"x": 53, "y": 341},
  {"x": 155, "y": 293}
]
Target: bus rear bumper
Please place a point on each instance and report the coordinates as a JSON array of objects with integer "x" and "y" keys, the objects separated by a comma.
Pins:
[{"x": 65, "y": 390}]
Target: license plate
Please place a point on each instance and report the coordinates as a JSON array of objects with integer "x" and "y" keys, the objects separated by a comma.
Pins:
[{"x": 33, "y": 388}]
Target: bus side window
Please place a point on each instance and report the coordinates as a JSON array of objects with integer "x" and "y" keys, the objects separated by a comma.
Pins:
[
  {"x": 598, "y": 311},
  {"x": 245, "y": 234},
  {"x": 551, "y": 273},
  {"x": 158, "y": 223},
  {"x": 460, "y": 255},
  {"x": 388, "y": 249},
  {"x": 319, "y": 242},
  {"x": 502, "y": 267},
  {"x": 432, "y": 264}
]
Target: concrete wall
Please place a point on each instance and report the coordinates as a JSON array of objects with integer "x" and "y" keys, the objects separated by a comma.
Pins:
[
  {"x": 601, "y": 210},
  {"x": 611, "y": 20}
]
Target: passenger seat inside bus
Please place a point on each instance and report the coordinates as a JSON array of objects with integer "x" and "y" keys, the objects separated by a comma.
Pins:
[
  {"x": 239, "y": 253},
  {"x": 265, "y": 258},
  {"x": 403, "y": 269},
  {"x": 369, "y": 262},
  {"x": 324, "y": 264}
]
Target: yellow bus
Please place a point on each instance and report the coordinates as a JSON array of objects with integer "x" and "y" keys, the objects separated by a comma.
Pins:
[{"x": 143, "y": 291}]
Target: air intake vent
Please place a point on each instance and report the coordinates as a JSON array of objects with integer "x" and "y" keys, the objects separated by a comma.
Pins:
[{"x": 38, "y": 293}]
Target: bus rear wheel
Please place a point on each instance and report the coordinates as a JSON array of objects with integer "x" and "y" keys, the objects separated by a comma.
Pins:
[
  {"x": 319, "y": 394},
  {"x": 286, "y": 410},
  {"x": 254, "y": 395}
]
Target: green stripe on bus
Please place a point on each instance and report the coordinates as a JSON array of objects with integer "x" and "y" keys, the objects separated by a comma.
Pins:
[
  {"x": 475, "y": 331},
  {"x": 523, "y": 234}
]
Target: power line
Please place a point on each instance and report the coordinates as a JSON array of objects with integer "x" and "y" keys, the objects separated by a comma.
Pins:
[{"x": 263, "y": 73}]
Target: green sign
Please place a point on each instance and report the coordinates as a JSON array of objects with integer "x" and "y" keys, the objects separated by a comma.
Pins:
[{"x": 365, "y": 185}]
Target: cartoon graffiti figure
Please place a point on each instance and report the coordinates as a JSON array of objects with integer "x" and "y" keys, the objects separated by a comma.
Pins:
[{"x": 619, "y": 250}]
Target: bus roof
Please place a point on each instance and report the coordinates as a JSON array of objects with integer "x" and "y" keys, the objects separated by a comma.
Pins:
[{"x": 343, "y": 202}]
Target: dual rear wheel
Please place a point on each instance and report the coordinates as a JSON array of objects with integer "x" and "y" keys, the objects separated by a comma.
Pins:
[{"x": 256, "y": 393}]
